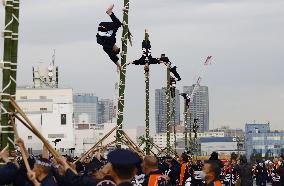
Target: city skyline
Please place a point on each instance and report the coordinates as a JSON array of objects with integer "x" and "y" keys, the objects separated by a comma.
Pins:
[{"x": 244, "y": 38}]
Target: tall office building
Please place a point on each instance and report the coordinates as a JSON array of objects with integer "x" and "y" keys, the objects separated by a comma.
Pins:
[
  {"x": 85, "y": 108},
  {"x": 199, "y": 108},
  {"x": 161, "y": 110},
  {"x": 106, "y": 111}
]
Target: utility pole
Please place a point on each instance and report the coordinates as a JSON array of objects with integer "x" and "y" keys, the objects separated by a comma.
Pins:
[{"x": 120, "y": 104}]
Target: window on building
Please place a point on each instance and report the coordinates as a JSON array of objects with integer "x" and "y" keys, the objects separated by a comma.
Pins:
[
  {"x": 42, "y": 97},
  {"x": 55, "y": 135},
  {"x": 30, "y": 150},
  {"x": 258, "y": 138},
  {"x": 30, "y": 137},
  {"x": 43, "y": 109},
  {"x": 63, "y": 119},
  {"x": 276, "y": 138},
  {"x": 23, "y": 97},
  {"x": 258, "y": 147}
]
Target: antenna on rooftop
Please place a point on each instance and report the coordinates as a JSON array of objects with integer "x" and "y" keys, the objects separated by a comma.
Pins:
[{"x": 53, "y": 57}]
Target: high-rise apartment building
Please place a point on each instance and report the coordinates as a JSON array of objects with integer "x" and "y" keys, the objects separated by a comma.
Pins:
[
  {"x": 199, "y": 108},
  {"x": 161, "y": 110}
]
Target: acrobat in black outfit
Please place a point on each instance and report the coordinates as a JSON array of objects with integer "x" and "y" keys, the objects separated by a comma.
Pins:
[
  {"x": 173, "y": 67},
  {"x": 187, "y": 99},
  {"x": 146, "y": 59},
  {"x": 195, "y": 127},
  {"x": 173, "y": 83},
  {"x": 106, "y": 36}
]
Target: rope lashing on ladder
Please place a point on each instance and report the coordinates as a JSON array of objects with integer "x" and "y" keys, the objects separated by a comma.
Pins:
[
  {"x": 6, "y": 65},
  {"x": 6, "y": 3}
]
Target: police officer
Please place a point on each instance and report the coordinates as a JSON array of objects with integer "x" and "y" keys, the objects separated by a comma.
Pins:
[
  {"x": 122, "y": 166},
  {"x": 119, "y": 171}
]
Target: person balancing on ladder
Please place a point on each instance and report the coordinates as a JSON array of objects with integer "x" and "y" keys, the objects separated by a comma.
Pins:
[
  {"x": 146, "y": 59},
  {"x": 173, "y": 67},
  {"x": 106, "y": 36}
]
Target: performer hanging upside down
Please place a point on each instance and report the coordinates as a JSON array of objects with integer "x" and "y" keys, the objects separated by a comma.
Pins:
[
  {"x": 146, "y": 59},
  {"x": 187, "y": 98},
  {"x": 173, "y": 67},
  {"x": 173, "y": 86},
  {"x": 106, "y": 36}
]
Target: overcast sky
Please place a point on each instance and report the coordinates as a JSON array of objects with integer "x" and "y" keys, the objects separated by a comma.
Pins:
[{"x": 245, "y": 38}]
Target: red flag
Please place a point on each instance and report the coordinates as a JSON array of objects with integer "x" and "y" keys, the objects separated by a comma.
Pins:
[{"x": 207, "y": 62}]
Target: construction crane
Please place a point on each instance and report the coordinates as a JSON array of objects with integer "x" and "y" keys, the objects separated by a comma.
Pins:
[
  {"x": 200, "y": 77},
  {"x": 188, "y": 99}
]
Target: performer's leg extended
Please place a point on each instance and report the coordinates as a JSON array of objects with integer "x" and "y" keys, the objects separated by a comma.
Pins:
[
  {"x": 174, "y": 71},
  {"x": 115, "y": 24},
  {"x": 112, "y": 55}
]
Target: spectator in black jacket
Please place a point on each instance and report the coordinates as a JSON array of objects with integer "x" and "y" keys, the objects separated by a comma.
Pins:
[
  {"x": 215, "y": 157},
  {"x": 8, "y": 171},
  {"x": 245, "y": 171}
]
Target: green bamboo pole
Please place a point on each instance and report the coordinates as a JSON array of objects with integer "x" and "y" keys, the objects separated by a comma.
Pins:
[
  {"x": 14, "y": 53},
  {"x": 7, "y": 129},
  {"x": 168, "y": 122},
  {"x": 174, "y": 118},
  {"x": 14, "y": 56},
  {"x": 147, "y": 119},
  {"x": 125, "y": 34},
  {"x": 190, "y": 131},
  {"x": 185, "y": 126}
]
